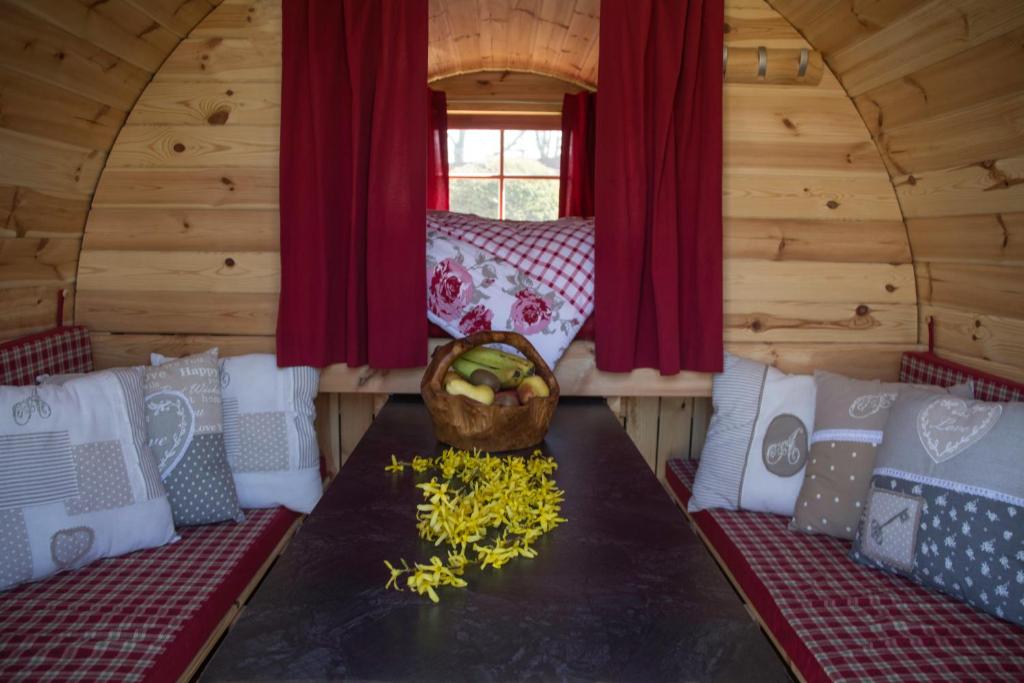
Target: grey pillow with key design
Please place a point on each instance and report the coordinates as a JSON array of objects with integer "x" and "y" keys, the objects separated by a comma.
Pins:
[
  {"x": 185, "y": 432},
  {"x": 946, "y": 503}
]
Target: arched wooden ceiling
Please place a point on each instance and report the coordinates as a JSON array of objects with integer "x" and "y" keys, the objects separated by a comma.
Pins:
[
  {"x": 70, "y": 71},
  {"x": 939, "y": 84}
]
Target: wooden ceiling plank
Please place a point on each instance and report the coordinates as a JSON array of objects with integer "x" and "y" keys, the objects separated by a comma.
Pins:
[
  {"x": 996, "y": 238},
  {"x": 46, "y": 165},
  {"x": 39, "y": 49},
  {"x": 179, "y": 16},
  {"x": 931, "y": 33},
  {"x": 114, "y": 25},
  {"x": 36, "y": 107},
  {"x": 26, "y": 212},
  {"x": 989, "y": 70},
  {"x": 831, "y": 25}
]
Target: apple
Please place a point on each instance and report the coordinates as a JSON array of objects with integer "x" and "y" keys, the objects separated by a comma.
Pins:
[{"x": 532, "y": 386}]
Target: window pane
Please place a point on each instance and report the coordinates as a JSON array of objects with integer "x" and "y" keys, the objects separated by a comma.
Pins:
[
  {"x": 476, "y": 196},
  {"x": 531, "y": 200},
  {"x": 474, "y": 152},
  {"x": 533, "y": 152}
]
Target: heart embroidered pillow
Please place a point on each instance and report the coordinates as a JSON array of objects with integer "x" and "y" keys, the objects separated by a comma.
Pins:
[
  {"x": 77, "y": 480},
  {"x": 184, "y": 425},
  {"x": 946, "y": 502}
]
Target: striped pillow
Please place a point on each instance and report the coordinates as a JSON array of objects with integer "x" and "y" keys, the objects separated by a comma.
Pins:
[
  {"x": 756, "y": 449},
  {"x": 77, "y": 480}
]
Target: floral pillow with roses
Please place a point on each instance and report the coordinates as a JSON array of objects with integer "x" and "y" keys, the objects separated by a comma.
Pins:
[{"x": 470, "y": 290}]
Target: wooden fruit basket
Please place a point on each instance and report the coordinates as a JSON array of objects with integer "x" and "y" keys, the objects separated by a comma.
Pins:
[{"x": 465, "y": 423}]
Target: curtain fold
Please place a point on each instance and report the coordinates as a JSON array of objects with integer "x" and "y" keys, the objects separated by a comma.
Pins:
[
  {"x": 658, "y": 182},
  {"x": 437, "y": 150},
  {"x": 576, "y": 181},
  {"x": 353, "y": 120}
]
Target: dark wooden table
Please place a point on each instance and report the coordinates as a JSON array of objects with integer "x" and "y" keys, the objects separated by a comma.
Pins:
[{"x": 623, "y": 591}]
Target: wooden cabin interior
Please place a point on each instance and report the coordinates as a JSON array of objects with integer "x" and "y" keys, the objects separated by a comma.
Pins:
[{"x": 872, "y": 205}]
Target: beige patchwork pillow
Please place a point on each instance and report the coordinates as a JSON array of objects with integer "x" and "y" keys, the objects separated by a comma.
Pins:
[{"x": 849, "y": 419}]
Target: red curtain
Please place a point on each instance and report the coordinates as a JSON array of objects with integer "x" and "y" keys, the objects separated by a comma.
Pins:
[
  {"x": 353, "y": 120},
  {"x": 658, "y": 181},
  {"x": 576, "y": 186},
  {"x": 437, "y": 150}
]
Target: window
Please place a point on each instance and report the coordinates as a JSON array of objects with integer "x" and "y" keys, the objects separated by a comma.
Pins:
[{"x": 507, "y": 174}]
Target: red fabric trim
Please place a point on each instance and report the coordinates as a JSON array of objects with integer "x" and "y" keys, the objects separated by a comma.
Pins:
[
  {"x": 175, "y": 659},
  {"x": 801, "y": 657},
  {"x": 437, "y": 150}
]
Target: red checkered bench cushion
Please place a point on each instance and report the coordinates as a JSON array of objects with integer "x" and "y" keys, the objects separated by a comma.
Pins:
[
  {"x": 922, "y": 367},
  {"x": 139, "y": 617},
  {"x": 57, "y": 351},
  {"x": 840, "y": 621}
]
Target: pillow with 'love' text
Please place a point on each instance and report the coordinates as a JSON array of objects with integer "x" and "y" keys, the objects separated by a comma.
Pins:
[{"x": 946, "y": 502}]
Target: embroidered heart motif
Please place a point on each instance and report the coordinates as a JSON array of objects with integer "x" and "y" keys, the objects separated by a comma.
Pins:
[
  {"x": 948, "y": 426},
  {"x": 68, "y": 546},
  {"x": 170, "y": 423}
]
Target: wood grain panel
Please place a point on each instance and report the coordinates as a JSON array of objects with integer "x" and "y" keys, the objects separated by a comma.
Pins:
[
  {"x": 816, "y": 240},
  {"x": 178, "y": 271},
  {"x": 977, "y": 335},
  {"x": 183, "y": 230},
  {"x": 988, "y": 187},
  {"x": 225, "y": 60},
  {"x": 26, "y": 262},
  {"x": 177, "y": 15},
  {"x": 25, "y": 212},
  {"x": 39, "y": 49},
  {"x": 813, "y": 322},
  {"x": 924, "y": 36},
  {"x": 35, "y": 162},
  {"x": 197, "y": 147},
  {"x": 987, "y": 130},
  {"x": 24, "y": 310},
  {"x": 766, "y": 193},
  {"x": 833, "y": 24},
  {"x": 965, "y": 80},
  {"x": 996, "y": 290},
  {"x": 178, "y": 312},
  {"x": 775, "y": 281},
  {"x": 202, "y": 103},
  {"x": 43, "y": 110},
  {"x": 989, "y": 238},
  {"x": 192, "y": 188},
  {"x": 117, "y": 26},
  {"x": 1014, "y": 372}
]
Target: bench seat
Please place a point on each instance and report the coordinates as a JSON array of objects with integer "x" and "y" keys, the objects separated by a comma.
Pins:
[
  {"x": 834, "y": 620},
  {"x": 151, "y": 615}
]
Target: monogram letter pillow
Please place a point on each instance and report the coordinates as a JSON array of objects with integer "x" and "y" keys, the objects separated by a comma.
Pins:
[
  {"x": 184, "y": 426},
  {"x": 77, "y": 480},
  {"x": 848, "y": 426},
  {"x": 268, "y": 431},
  {"x": 946, "y": 503},
  {"x": 756, "y": 449}
]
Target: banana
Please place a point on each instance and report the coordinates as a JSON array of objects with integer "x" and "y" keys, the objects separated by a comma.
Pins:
[
  {"x": 508, "y": 376},
  {"x": 495, "y": 358}
]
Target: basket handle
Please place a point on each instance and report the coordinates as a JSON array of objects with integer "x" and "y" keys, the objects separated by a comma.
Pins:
[{"x": 445, "y": 355}]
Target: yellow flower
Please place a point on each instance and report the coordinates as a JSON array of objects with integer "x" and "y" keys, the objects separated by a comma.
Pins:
[{"x": 395, "y": 466}]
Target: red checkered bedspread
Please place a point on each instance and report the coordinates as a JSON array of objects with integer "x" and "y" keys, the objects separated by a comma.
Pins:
[
  {"x": 841, "y": 621},
  {"x": 558, "y": 253},
  {"x": 62, "y": 350},
  {"x": 139, "y": 617}
]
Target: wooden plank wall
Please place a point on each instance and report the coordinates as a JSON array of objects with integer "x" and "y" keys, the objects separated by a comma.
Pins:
[
  {"x": 70, "y": 70},
  {"x": 181, "y": 243},
  {"x": 940, "y": 85}
]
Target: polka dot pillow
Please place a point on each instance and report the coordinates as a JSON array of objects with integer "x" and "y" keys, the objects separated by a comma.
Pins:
[
  {"x": 268, "y": 431},
  {"x": 849, "y": 418},
  {"x": 946, "y": 502},
  {"x": 184, "y": 425}
]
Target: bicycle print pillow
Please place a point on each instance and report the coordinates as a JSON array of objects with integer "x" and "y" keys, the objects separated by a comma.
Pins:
[{"x": 77, "y": 480}]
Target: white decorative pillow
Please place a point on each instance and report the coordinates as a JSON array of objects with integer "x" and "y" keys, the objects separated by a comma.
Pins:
[
  {"x": 77, "y": 480},
  {"x": 268, "y": 431},
  {"x": 756, "y": 449}
]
